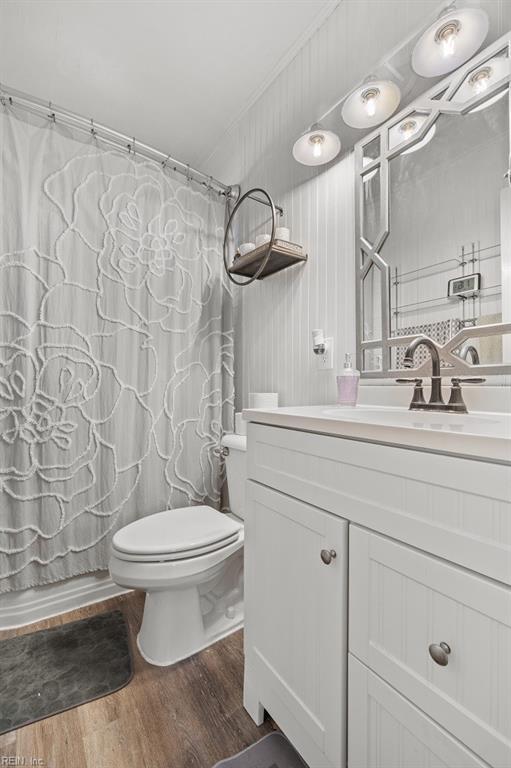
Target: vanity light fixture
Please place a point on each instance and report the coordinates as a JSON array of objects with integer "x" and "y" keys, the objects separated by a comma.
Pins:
[
  {"x": 408, "y": 128},
  {"x": 448, "y": 43},
  {"x": 371, "y": 103},
  {"x": 480, "y": 79},
  {"x": 483, "y": 78},
  {"x": 316, "y": 146}
]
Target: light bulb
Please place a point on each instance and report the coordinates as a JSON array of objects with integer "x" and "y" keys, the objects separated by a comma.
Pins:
[
  {"x": 369, "y": 98},
  {"x": 448, "y": 45},
  {"x": 446, "y": 37},
  {"x": 479, "y": 80},
  {"x": 371, "y": 106},
  {"x": 408, "y": 128},
  {"x": 317, "y": 145}
]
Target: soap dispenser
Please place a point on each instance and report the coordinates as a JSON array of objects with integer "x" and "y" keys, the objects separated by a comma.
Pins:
[{"x": 347, "y": 383}]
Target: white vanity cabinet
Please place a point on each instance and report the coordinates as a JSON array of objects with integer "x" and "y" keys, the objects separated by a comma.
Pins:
[
  {"x": 429, "y": 564},
  {"x": 296, "y": 627},
  {"x": 402, "y": 601},
  {"x": 387, "y": 731}
]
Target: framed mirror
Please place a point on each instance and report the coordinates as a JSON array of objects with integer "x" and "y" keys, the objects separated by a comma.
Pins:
[{"x": 433, "y": 233}]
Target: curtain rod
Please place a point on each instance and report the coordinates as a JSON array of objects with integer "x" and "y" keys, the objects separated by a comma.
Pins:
[
  {"x": 114, "y": 138},
  {"x": 17, "y": 98}
]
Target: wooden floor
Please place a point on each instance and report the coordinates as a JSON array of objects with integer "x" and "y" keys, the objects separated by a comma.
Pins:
[{"x": 189, "y": 715}]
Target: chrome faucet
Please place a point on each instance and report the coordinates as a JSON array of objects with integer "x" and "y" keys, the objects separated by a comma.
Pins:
[
  {"x": 436, "y": 401},
  {"x": 468, "y": 350},
  {"x": 456, "y": 403}
]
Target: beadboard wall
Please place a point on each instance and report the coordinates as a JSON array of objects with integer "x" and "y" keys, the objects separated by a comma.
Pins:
[{"x": 274, "y": 317}]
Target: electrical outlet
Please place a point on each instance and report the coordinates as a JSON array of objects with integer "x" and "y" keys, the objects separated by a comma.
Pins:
[{"x": 325, "y": 362}]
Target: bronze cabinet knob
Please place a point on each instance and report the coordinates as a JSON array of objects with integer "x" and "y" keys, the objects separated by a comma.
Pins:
[
  {"x": 327, "y": 555},
  {"x": 440, "y": 653}
]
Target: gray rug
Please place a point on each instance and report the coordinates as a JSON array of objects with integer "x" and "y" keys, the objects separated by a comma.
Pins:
[
  {"x": 272, "y": 751},
  {"x": 47, "y": 672}
]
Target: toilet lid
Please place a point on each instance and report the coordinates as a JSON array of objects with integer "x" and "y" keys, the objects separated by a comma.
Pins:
[{"x": 177, "y": 533}]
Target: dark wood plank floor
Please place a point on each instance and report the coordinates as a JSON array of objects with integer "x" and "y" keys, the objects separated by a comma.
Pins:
[{"x": 189, "y": 715}]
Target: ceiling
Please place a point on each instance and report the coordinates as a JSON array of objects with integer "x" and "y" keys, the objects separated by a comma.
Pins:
[{"x": 172, "y": 73}]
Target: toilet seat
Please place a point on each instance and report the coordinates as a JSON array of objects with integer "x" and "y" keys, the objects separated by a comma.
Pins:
[
  {"x": 175, "y": 534},
  {"x": 167, "y": 557},
  {"x": 161, "y": 574}
]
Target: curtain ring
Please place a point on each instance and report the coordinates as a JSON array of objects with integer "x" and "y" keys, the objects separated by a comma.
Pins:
[
  {"x": 92, "y": 129},
  {"x": 52, "y": 113},
  {"x": 164, "y": 162},
  {"x": 188, "y": 176}
]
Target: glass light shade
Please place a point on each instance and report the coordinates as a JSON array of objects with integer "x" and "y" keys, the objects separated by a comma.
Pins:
[
  {"x": 371, "y": 104},
  {"x": 481, "y": 79},
  {"x": 450, "y": 42},
  {"x": 317, "y": 146},
  {"x": 407, "y": 129}
]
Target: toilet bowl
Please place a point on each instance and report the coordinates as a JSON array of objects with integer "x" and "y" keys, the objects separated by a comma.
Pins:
[{"x": 189, "y": 561}]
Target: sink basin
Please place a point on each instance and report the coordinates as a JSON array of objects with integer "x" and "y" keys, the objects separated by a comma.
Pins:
[
  {"x": 482, "y": 435},
  {"x": 468, "y": 423}
]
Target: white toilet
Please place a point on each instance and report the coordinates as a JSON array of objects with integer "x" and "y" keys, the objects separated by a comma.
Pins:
[{"x": 189, "y": 561}]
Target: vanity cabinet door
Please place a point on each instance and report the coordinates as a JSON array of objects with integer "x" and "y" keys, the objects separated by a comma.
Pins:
[
  {"x": 438, "y": 634},
  {"x": 295, "y": 622},
  {"x": 387, "y": 731}
]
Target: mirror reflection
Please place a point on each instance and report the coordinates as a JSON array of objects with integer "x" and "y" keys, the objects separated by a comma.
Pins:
[{"x": 448, "y": 248}]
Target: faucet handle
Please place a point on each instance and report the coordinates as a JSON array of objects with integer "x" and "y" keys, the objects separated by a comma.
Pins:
[
  {"x": 456, "y": 402},
  {"x": 418, "y": 392},
  {"x": 456, "y": 381}
]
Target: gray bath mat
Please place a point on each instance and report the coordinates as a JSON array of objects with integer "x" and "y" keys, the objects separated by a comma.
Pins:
[
  {"x": 47, "y": 672},
  {"x": 272, "y": 751}
]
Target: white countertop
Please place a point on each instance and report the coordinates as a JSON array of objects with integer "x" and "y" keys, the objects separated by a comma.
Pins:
[{"x": 481, "y": 435}]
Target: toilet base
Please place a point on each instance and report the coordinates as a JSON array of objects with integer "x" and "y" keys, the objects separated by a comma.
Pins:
[
  {"x": 233, "y": 627},
  {"x": 179, "y": 622}
]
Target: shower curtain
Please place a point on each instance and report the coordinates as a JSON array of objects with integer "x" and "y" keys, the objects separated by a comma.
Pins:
[{"x": 116, "y": 377}]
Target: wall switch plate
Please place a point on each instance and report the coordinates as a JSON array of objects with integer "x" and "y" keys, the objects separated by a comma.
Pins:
[{"x": 325, "y": 362}]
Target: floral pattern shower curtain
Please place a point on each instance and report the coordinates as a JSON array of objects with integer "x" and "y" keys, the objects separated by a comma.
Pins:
[{"x": 116, "y": 377}]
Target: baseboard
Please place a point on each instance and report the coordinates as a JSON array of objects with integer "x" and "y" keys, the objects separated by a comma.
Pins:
[{"x": 37, "y": 603}]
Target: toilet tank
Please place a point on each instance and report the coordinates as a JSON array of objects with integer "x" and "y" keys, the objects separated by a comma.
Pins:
[{"x": 234, "y": 449}]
